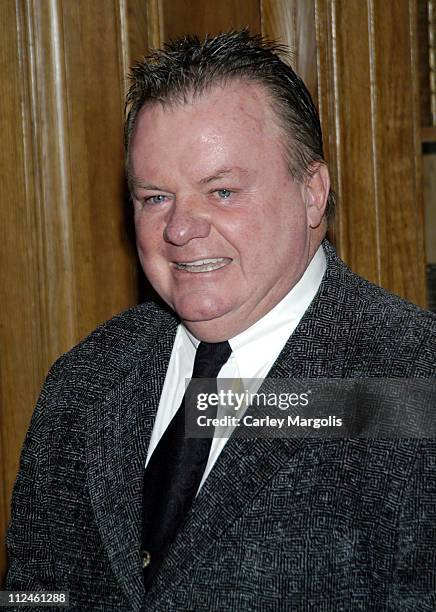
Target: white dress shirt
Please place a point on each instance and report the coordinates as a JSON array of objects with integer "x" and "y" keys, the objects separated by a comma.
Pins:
[{"x": 254, "y": 351}]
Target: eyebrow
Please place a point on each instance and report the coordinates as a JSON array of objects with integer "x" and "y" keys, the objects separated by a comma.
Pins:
[
  {"x": 222, "y": 173},
  {"x": 136, "y": 183}
]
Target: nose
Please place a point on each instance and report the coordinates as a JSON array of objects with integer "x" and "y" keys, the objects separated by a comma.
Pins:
[{"x": 185, "y": 224}]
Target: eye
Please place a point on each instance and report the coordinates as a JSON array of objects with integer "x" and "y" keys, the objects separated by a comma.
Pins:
[
  {"x": 155, "y": 199},
  {"x": 224, "y": 194}
]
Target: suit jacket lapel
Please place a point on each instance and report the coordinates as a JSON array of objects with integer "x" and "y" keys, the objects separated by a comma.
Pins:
[{"x": 119, "y": 429}]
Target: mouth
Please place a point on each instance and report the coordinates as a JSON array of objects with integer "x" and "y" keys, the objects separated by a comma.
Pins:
[{"x": 203, "y": 265}]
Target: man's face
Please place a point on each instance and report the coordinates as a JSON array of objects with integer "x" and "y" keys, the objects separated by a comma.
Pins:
[{"x": 223, "y": 230}]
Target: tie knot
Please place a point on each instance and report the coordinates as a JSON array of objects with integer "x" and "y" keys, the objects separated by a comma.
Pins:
[{"x": 210, "y": 358}]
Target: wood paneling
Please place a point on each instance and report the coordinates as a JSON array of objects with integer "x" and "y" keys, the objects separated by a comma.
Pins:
[
  {"x": 423, "y": 63},
  {"x": 22, "y": 342},
  {"x": 208, "y": 16},
  {"x": 428, "y": 134},
  {"x": 431, "y": 37},
  {"x": 292, "y": 22},
  {"x": 95, "y": 101},
  {"x": 368, "y": 97},
  {"x": 134, "y": 31},
  {"x": 397, "y": 136},
  {"x": 155, "y": 23},
  {"x": 68, "y": 260},
  {"x": 344, "y": 83},
  {"x": 429, "y": 163}
]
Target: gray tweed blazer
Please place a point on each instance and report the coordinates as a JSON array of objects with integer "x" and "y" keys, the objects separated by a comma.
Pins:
[{"x": 280, "y": 525}]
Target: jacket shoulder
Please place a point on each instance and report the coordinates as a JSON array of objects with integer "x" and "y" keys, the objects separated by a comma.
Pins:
[
  {"x": 108, "y": 353},
  {"x": 384, "y": 330}
]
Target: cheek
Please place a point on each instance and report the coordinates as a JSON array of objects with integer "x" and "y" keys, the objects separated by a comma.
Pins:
[
  {"x": 154, "y": 266},
  {"x": 254, "y": 237},
  {"x": 293, "y": 221},
  {"x": 287, "y": 237},
  {"x": 148, "y": 236},
  {"x": 140, "y": 234},
  {"x": 148, "y": 248}
]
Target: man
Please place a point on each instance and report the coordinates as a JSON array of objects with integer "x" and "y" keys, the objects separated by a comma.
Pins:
[{"x": 230, "y": 190}]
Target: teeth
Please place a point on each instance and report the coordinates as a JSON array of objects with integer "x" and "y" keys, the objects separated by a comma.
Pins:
[{"x": 204, "y": 265}]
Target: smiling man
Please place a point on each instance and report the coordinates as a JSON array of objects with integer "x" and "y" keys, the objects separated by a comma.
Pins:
[
  {"x": 224, "y": 231},
  {"x": 113, "y": 502}
]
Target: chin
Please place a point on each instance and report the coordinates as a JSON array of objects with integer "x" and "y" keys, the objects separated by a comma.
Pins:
[{"x": 197, "y": 309}]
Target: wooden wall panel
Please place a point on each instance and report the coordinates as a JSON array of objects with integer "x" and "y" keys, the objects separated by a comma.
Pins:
[
  {"x": 22, "y": 337},
  {"x": 368, "y": 98},
  {"x": 429, "y": 172},
  {"x": 347, "y": 97},
  {"x": 208, "y": 16},
  {"x": 68, "y": 261},
  {"x": 134, "y": 32},
  {"x": 292, "y": 22},
  {"x": 396, "y": 132},
  {"x": 424, "y": 63},
  {"x": 94, "y": 90}
]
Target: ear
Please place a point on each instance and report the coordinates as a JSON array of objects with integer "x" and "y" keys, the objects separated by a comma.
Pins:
[{"x": 316, "y": 191}]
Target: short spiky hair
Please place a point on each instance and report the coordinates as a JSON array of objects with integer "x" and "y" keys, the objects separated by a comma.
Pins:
[{"x": 188, "y": 67}]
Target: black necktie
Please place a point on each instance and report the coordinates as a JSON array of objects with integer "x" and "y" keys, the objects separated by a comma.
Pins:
[{"x": 175, "y": 469}]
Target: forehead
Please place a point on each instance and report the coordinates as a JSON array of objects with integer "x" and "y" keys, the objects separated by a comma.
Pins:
[
  {"x": 233, "y": 117},
  {"x": 237, "y": 104},
  {"x": 250, "y": 98}
]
